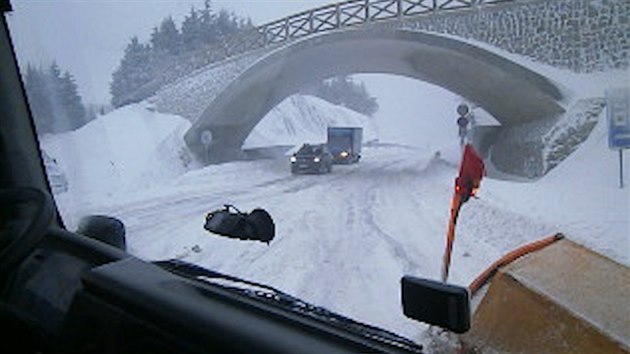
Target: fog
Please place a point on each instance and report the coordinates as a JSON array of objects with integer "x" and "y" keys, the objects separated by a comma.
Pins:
[{"x": 88, "y": 38}]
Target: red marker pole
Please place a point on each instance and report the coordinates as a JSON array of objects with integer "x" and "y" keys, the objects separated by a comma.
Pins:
[
  {"x": 471, "y": 171},
  {"x": 450, "y": 236}
]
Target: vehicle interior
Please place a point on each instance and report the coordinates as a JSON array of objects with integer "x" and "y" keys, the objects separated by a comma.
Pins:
[
  {"x": 136, "y": 228},
  {"x": 64, "y": 291}
]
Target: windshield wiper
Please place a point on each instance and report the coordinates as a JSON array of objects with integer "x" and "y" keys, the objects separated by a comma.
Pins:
[{"x": 276, "y": 297}]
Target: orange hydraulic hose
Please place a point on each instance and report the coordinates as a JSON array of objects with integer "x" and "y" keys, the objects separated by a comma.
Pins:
[{"x": 509, "y": 258}]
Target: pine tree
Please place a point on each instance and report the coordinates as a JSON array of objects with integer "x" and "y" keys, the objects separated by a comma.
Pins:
[
  {"x": 133, "y": 72},
  {"x": 145, "y": 63},
  {"x": 70, "y": 101},
  {"x": 245, "y": 24},
  {"x": 226, "y": 23},
  {"x": 345, "y": 92},
  {"x": 35, "y": 86},
  {"x": 208, "y": 28},
  {"x": 191, "y": 31},
  {"x": 53, "y": 83},
  {"x": 54, "y": 100},
  {"x": 166, "y": 39}
]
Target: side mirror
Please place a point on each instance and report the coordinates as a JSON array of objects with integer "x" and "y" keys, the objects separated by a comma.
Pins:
[
  {"x": 436, "y": 303},
  {"x": 104, "y": 228},
  {"x": 230, "y": 222}
]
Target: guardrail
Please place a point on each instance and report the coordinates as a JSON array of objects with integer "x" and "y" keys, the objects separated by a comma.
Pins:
[{"x": 341, "y": 15}]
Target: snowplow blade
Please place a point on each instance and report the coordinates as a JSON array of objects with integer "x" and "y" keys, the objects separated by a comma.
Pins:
[{"x": 561, "y": 299}]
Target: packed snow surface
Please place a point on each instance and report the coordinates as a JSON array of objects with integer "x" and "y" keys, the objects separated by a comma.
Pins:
[{"x": 343, "y": 240}]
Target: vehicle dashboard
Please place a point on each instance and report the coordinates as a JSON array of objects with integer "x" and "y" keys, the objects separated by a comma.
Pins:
[{"x": 81, "y": 295}]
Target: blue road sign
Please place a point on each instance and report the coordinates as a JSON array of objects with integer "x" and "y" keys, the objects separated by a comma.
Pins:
[{"x": 618, "y": 102}]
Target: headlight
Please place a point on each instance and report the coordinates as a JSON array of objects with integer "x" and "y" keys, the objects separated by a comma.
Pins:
[
  {"x": 316, "y": 159},
  {"x": 293, "y": 159},
  {"x": 344, "y": 154}
]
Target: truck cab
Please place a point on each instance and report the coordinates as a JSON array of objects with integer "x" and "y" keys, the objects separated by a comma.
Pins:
[{"x": 345, "y": 144}]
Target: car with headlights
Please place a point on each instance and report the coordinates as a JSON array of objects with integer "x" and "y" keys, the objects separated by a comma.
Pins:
[{"x": 312, "y": 158}]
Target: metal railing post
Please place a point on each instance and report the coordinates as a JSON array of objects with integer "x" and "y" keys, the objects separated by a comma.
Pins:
[
  {"x": 287, "y": 31},
  {"x": 265, "y": 36}
]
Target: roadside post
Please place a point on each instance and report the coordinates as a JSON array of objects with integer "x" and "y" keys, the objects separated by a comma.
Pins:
[
  {"x": 206, "y": 140},
  {"x": 462, "y": 122},
  {"x": 618, "y": 114}
]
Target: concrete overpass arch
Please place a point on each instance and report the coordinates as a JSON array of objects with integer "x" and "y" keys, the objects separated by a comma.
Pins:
[{"x": 510, "y": 92}]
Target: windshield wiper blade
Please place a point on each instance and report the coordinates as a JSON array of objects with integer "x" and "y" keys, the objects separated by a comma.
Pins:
[
  {"x": 193, "y": 271},
  {"x": 276, "y": 297}
]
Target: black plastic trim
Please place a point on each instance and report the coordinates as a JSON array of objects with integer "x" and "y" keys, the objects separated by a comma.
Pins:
[{"x": 5, "y": 6}]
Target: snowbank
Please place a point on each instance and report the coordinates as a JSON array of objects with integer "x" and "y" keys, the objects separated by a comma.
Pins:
[
  {"x": 581, "y": 197},
  {"x": 125, "y": 150},
  {"x": 305, "y": 119},
  {"x": 132, "y": 152}
]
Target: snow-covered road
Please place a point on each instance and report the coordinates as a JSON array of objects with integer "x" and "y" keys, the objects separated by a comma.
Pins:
[{"x": 343, "y": 240}]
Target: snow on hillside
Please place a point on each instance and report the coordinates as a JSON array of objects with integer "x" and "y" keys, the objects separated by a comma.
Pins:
[
  {"x": 127, "y": 149},
  {"x": 581, "y": 197},
  {"x": 130, "y": 152},
  {"x": 112, "y": 151},
  {"x": 113, "y": 159},
  {"x": 304, "y": 119}
]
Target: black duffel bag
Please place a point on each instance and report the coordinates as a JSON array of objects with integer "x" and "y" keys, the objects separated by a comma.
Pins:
[{"x": 231, "y": 222}]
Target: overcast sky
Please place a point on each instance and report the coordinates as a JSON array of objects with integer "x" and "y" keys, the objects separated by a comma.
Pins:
[{"x": 88, "y": 37}]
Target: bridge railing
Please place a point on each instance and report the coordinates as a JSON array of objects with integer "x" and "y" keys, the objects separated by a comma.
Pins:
[
  {"x": 356, "y": 12},
  {"x": 341, "y": 15},
  {"x": 322, "y": 19}
]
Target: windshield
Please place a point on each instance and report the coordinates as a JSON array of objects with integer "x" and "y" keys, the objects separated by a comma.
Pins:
[
  {"x": 157, "y": 113},
  {"x": 311, "y": 150}
]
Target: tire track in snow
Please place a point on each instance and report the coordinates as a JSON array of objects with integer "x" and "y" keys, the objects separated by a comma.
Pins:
[
  {"x": 397, "y": 248},
  {"x": 342, "y": 239},
  {"x": 404, "y": 176},
  {"x": 347, "y": 171}
]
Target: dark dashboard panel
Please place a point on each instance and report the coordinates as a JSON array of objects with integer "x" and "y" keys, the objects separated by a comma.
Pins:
[
  {"x": 84, "y": 296},
  {"x": 187, "y": 316},
  {"x": 42, "y": 288}
]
